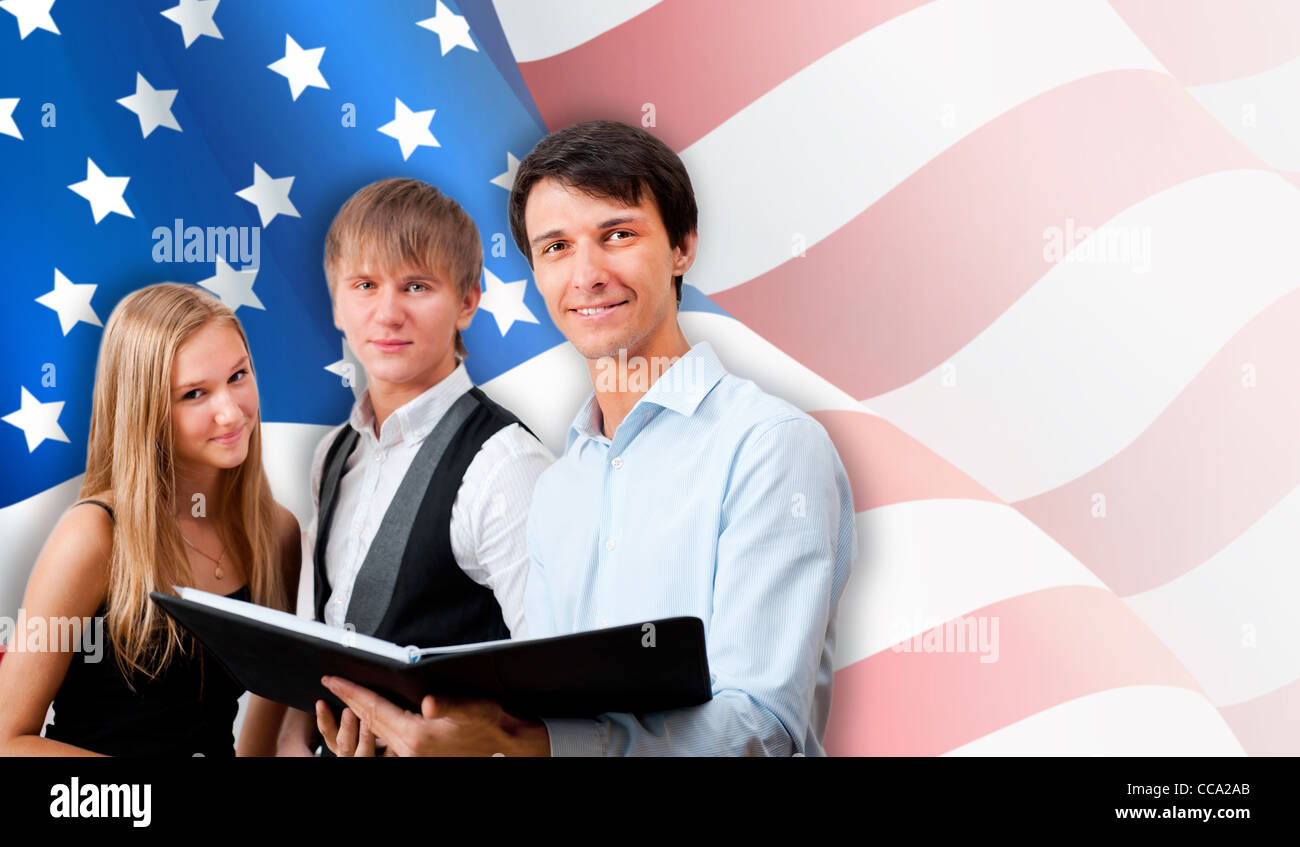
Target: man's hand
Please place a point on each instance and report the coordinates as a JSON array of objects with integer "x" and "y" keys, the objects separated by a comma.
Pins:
[
  {"x": 445, "y": 726},
  {"x": 347, "y": 739}
]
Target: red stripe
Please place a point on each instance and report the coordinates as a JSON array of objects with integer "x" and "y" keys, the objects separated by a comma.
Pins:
[
  {"x": 1268, "y": 725},
  {"x": 1203, "y": 41},
  {"x": 1055, "y": 645},
  {"x": 912, "y": 279},
  {"x": 1220, "y": 456},
  {"x": 693, "y": 62},
  {"x": 886, "y": 465}
]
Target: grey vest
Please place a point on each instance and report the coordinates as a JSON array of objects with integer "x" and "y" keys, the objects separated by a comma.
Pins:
[{"x": 410, "y": 590}]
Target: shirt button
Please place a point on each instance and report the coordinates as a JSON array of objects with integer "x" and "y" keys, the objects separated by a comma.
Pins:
[
  {"x": 379, "y": 457},
  {"x": 616, "y": 462},
  {"x": 609, "y": 545},
  {"x": 604, "y": 624}
]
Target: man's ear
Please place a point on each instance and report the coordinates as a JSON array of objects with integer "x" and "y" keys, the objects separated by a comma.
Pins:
[
  {"x": 468, "y": 306},
  {"x": 684, "y": 253}
]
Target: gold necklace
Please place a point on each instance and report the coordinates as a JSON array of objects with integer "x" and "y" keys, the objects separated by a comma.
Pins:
[{"x": 218, "y": 572}]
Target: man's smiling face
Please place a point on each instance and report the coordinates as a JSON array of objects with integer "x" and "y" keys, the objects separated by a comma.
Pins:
[{"x": 605, "y": 270}]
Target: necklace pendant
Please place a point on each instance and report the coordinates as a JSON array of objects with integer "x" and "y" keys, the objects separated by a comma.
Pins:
[{"x": 219, "y": 574}]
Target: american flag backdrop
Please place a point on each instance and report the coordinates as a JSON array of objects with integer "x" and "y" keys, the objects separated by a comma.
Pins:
[{"x": 1032, "y": 263}]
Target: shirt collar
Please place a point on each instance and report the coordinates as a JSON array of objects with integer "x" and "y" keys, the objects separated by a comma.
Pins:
[
  {"x": 418, "y": 416},
  {"x": 681, "y": 389}
]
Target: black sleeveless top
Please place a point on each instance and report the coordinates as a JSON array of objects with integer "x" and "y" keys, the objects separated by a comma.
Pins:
[{"x": 188, "y": 709}]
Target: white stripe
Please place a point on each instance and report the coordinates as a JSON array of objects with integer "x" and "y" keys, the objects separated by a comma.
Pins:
[
  {"x": 1263, "y": 111},
  {"x": 537, "y": 29},
  {"x": 1234, "y": 621},
  {"x": 545, "y": 393},
  {"x": 747, "y": 354},
  {"x": 1139, "y": 720},
  {"x": 925, "y": 562},
  {"x": 835, "y": 137},
  {"x": 24, "y": 526},
  {"x": 286, "y": 457},
  {"x": 1084, "y": 362}
]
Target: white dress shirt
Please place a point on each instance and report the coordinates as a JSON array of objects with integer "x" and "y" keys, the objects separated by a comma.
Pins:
[{"x": 488, "y": 517}]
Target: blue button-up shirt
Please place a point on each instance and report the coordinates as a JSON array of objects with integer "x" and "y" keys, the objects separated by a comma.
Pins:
[{"x": 713, "y": 499}]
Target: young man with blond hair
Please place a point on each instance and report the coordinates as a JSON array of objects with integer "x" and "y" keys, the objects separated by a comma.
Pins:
[{"x": 420, "y": 498}]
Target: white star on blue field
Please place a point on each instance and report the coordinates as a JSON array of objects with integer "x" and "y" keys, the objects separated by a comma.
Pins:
[{"x": 118, "y": 122}]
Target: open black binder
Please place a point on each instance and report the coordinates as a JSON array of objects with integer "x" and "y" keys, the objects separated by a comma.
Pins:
[{"x": 643, "y": 667}]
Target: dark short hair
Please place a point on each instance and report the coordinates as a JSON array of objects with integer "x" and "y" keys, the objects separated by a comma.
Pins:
[{"x": 611, "y": 160}]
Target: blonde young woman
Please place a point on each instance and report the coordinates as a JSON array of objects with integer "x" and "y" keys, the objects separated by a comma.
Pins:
[{"x": 175, "y": 494}]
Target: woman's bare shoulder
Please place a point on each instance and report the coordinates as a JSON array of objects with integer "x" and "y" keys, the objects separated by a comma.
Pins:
[
  {"x": 72, "y": 569},
  {"x": 88, "y": 522}
]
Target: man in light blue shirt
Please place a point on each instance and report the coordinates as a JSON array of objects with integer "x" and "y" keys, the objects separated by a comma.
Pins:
[
  {"x": 683, "y": 490},
  {"x": 716, "y": 500}
]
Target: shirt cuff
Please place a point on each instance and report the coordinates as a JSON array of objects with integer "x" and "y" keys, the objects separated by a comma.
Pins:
[{"x": 575, "y": 737}]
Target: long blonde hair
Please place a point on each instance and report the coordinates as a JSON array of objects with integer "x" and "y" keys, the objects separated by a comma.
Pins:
[{"x": 130, "y": 453}]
